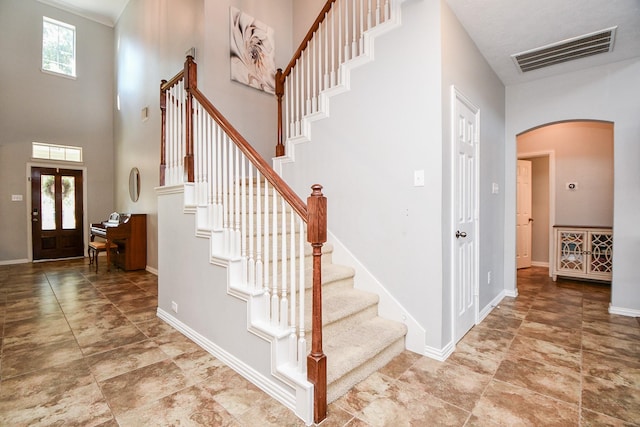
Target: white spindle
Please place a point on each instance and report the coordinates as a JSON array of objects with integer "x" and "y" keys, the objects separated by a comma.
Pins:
[
  {"x": 377, "y": 12},
  {"x": 251, "y": 232},
  {"x": 267, "y": 281},
  {"x": 284, "y": 302},
  {"x": 361, "y": 38},
  {"x": 274, "y": 263},
  {"x": 354, "y": 40},
  {"x": 225, "y": 195},
  {"x": 302, "y": 343},
  {"x": 258, "y": 233},
  {"x": 292, "y": 292},
  {"x": 347, "y": 50},
  {"x": 243, "y": 228},
  {"x": 314, "y": 94},
  {"x": 369, "y": 15},
  {"x": 236, "y": 208},
  {"x": 339, "y": 7}
]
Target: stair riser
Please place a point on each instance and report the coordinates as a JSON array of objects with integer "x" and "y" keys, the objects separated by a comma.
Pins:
[{"x": 331, "y": 330}]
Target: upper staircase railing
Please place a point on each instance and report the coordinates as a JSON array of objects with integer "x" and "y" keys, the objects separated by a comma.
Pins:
[
  {"x": 336, "y": 36},
  {"x": 259, "y": 219}
]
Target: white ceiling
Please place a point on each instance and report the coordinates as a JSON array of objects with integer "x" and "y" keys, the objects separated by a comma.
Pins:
[
  {"x": 104, "y": 11},
  {"x": 500, "y": 28}
]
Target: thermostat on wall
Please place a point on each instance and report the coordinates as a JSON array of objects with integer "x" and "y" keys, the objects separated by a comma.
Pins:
[{"x": 572, "y": 186}]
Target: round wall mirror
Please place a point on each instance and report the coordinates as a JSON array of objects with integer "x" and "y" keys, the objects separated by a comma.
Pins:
[{"x": 134, "y": 184}]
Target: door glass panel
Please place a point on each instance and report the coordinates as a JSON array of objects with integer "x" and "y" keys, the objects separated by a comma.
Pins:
[
  {"x": 48, "y": 202},
  {"x": 68, "y": 203}
]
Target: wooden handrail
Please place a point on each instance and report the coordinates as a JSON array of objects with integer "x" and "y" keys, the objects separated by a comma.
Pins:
[
  {"x": 281, "y": 76},
  {"x": 314, "y": 213},
  {"x": 270, "y": 175},
  {"x": 307, "y": 38}
]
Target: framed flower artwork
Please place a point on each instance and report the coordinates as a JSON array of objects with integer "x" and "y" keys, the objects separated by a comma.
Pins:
[{"x": 252, "y": 51}]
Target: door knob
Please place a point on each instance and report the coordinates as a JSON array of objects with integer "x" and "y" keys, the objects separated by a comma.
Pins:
[{"x": 460, "y": 234}]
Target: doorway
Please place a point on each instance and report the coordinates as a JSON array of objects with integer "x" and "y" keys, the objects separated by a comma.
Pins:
[
  {"x": 572, "y": 180},
  {"x": 57, "y": 217}
]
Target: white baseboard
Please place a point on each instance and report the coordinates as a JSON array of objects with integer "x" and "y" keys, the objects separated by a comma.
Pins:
[
  {"x": 439, "y": 354},
  {"x": 540, "y": 264},
  {"x": 631, "y": 312},
  {"x": 14, "y": 261},
  {"x": 489, "y": 307},
  {"x": 388, "y": 306},
  {"x": 279, "y": 393}
]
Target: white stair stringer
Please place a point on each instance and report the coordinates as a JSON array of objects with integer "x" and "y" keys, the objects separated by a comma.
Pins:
[
  {"x": 344, "y": 85},
  {"x": 357, "y": 342}
]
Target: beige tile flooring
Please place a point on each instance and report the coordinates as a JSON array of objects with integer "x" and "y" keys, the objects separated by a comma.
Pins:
[{"x": 80, "y": 348}]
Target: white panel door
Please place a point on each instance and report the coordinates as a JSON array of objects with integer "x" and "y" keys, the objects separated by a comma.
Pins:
[
  {"x": 465, "y": 207},
  {"x": 523, "y": 214}
]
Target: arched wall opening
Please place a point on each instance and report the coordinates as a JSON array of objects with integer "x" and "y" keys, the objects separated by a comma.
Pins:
[{"x": 572, "y": 179}]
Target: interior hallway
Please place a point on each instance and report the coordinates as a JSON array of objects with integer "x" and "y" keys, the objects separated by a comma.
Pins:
[{"x": 87, "y": 349}]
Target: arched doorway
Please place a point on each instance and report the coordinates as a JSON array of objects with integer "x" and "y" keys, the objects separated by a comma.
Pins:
[{"x": 572, "y": 179}]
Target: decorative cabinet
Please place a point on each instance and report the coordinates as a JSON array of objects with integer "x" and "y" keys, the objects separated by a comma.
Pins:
[{"x": 583, "y": 252}]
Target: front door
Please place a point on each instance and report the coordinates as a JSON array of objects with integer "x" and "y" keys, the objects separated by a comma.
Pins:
[
  {"x": 56, "y": 213},
  {"x": 466, "y": 134},
  {"x": 523, "y": 214}
]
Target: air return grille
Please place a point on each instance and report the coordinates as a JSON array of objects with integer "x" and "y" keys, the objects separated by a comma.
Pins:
[{"x": 567, "y": 50}]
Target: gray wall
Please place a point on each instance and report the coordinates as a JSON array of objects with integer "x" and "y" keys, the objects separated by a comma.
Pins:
[
  {"x": 151, "y": 38},
  {"x": 394, "y": 120},
  {"x": 252, "y": 112},
  {"x": 36, "y": 106},
  {"x": 464, "y": 67},
  {"x": 584, "y": 155},
  {"x": 609, "y": 93}
]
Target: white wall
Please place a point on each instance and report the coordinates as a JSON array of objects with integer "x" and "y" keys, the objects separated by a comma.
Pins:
[
  {"x": 36, "y": 106},
  {"x": 610, "y": 93}
]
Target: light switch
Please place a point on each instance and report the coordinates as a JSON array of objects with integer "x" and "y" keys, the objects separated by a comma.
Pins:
[
  {"x": 495, "y": 188},
  {"x": 16, "y": 197},
  {"x": 418, "y": 178}
]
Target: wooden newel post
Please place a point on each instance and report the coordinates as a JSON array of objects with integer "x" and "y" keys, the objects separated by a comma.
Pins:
[
  {"x": 190, "y": 82},
  {"x": 317, "y": 360},
  {"x": 279, "y": 95},
  {"x": 163, "y": 132}
]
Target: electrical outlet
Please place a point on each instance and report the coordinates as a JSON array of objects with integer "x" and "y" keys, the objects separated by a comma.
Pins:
[{"x": 174, "y": 306}]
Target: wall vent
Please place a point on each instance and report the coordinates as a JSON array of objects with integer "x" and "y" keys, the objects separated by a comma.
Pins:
[{"x": 566, "y": 50}]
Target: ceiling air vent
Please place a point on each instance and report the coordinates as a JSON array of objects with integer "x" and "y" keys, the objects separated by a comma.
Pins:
[{"x": 566, "y": 50}]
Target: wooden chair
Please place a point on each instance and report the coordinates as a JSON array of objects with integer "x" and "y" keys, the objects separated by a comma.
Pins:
[{"x": 95, "y": 248}]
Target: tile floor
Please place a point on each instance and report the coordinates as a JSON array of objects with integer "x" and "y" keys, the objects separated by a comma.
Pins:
[{"x": 80, "y": 348}]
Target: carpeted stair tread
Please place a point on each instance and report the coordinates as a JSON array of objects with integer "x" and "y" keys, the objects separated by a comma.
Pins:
[
  {"x": 354, "y": 347},
  {"x": 344, "y": 304}
]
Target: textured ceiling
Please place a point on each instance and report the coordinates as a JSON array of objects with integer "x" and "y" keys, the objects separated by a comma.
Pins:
[{"x": 500, "y": 28}]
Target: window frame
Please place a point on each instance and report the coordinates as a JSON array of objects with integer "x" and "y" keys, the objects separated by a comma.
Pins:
[
  {"x": 60, "y": 25},
  {"x": 67, "y": 152}
]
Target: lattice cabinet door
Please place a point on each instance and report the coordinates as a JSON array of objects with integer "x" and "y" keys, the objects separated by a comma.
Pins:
[
  {"x": 601, "y": 253},
  {"x": 572, "y": 246},
  {"x": 583, "y": 252}
]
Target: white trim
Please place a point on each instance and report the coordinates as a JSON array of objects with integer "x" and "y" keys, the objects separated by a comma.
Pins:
[
  {"x": 489, "y": 307},
  {"x": 456, "y": 95},
  {"x": 85, "y": 217},
  {"x": 632, "y": 312},
  {"x": 14, "y": 261},
  {"x": 552, "y": 198},
  {"x": 281, "y": 394},
  {"x": 541, "y": 263},
  {"x": 388, "y": 306},
  {"x": 440, "y": 354}
]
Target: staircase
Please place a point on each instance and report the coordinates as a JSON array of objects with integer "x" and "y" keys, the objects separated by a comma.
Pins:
[{"x": 269, "y": 242}]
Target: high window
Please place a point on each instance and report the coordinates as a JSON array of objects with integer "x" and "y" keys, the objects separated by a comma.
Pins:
[
  {"x": 58, "y": 47},
  {"x": 42, "y": 150}
]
